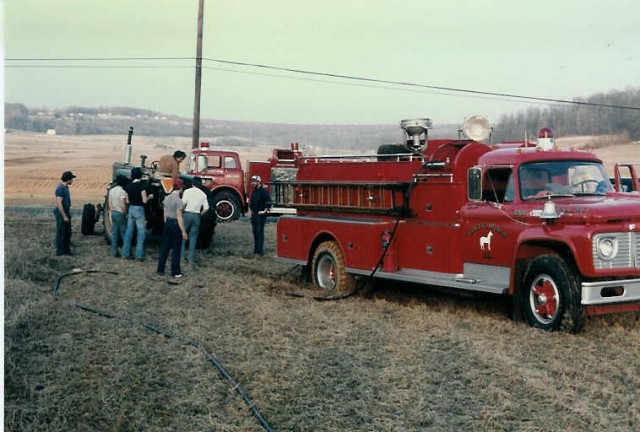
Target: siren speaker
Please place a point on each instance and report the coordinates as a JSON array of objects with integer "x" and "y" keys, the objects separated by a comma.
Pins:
[
  {"x": 414, "y": 128},
  {"x": 476, "y": 128}
]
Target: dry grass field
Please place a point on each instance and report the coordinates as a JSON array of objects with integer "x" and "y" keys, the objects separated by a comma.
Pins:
[
  {"x": 35, "y": 162},
  {"x": 99, "y": 343}
]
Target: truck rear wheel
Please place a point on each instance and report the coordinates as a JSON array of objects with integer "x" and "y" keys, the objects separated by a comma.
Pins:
[
  {"x": 329, "y": 270},
  {"x": 227, "y": 207},
  {"x": 551, "y": 296},
  {"x": 88, "y": 219}
]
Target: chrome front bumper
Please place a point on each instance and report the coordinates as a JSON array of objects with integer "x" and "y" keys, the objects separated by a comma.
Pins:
[{"x": 592, "y": 292}]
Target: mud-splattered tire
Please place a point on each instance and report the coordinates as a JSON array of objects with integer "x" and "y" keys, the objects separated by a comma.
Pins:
[
  {"x": 226, "y": 206},
  {"x": 329, "y": 270},
  {"x": 88, "y": 219},
  {"x": 550, "y": 295},
  {"x": 207, "y": 229}
]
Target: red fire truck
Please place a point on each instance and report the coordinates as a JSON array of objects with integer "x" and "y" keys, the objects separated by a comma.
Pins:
[
  {"x": 527, "y": 220},
  {"x": 222, "y": 173}
]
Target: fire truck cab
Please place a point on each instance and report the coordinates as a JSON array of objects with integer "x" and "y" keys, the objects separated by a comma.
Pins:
[
  {"x": 221, "y": 172},
  {"x": 540, "y": 225}
]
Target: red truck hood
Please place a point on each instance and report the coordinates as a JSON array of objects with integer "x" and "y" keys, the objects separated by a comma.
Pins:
[{"x": 616, "y": 207}]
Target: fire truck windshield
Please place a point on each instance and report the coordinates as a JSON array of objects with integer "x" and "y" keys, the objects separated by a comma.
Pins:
[{"x": 562, "y": 178}]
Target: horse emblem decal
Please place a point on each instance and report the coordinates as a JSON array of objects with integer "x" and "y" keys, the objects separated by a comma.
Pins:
[{"x": 486, "y": 241}]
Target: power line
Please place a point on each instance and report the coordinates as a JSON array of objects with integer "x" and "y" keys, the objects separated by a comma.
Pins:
[
  {"x": 365, "y": 85},
  {"x": 95, "y": 58},
  {"x": 432, "y": 87},
  {"x": 323, "y": 74},
  {"x": 98, "y": 67}
]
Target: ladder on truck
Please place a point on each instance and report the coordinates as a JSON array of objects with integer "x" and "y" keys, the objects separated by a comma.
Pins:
[{"x": 379, "y": 198}]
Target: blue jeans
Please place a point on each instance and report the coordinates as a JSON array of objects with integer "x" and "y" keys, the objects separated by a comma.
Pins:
[
  {"x": 63, "y": 234},
  {"x": 257, "y": 225},
  {"x": 192, "y": 227},
  {"x": 171, "y": 240},
  {"x": 136, "y": 218},
  {"x": 118, "y": 225}
]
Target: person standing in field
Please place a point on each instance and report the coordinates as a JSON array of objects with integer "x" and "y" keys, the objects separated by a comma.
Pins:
[
  {"x": 259, "y": 205},
  {"x": 117, "y": 208},
  {"x": 170, "y": 164},
  {"x": 136, "y": 198},
  {"x": 62, "y": 213},
  {"x": 173, "y": 232},
  {"x": 195, "y": 206}
]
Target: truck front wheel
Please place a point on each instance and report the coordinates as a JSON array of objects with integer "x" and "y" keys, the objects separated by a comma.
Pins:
[
  {"x": 227, "y": 207},
  {"x": 551, "y": 296},
  {"x": 329, "y": 272}
]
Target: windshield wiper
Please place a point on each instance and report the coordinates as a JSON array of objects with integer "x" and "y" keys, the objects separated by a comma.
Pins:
[
  {"x": 551, "y": 195},
  {"x": 590, "y": 194}
]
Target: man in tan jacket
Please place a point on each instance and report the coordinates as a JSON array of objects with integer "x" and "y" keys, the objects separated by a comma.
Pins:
[{"x": 170, "y": 164}]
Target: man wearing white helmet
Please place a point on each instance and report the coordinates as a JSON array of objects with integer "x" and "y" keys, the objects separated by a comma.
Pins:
[{"x": 258, "y": 206}]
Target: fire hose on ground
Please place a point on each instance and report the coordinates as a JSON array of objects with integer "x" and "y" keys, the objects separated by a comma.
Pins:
[{"x": 151, "y": 327}]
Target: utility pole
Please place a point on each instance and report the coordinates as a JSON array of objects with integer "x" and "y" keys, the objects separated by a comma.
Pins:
[{"x": 196, "y": 99}]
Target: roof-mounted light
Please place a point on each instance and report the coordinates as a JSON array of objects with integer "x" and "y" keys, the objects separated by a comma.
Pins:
[
  {"x": 204, "y": 144},
  {"x": 477, "y": 128},
  {"x": 546, "y": 141}
]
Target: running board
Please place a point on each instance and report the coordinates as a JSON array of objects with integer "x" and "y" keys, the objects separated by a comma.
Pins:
[{"x": 480, "y": 278}]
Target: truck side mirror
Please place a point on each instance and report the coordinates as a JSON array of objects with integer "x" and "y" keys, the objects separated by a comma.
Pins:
[{"x": 474, "y": 184}]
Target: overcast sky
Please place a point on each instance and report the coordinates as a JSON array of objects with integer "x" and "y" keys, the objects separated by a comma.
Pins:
[{"x": 560, "y": 49}]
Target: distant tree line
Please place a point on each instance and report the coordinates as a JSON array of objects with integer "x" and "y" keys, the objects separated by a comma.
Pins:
[
  {"x": 116, "y": 120},
  {"x": 567, "y": 120},
  {"x": 94, "y": 121}
]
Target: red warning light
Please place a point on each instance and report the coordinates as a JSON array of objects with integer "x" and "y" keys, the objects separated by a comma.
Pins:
[{"x": 545, "y": 132}]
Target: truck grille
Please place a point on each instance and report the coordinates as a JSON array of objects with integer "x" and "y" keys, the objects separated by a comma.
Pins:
[{"x": 628, "y": 255}]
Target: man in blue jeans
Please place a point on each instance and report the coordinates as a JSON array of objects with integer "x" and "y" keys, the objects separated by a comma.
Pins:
[
  {"x": 117, "y": 209},
  {"x": 136, "y": 198},
  {"x": 173, "y": 232},
  {"x": 195, "y": 205}
]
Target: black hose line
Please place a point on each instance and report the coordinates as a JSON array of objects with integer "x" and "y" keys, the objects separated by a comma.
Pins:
[
  {"x": 154, "y": 328},
  {"x": 369, "y": 278}
]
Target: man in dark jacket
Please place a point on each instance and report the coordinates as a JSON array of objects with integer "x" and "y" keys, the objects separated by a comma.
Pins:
[
  {"x": 62, "y": 212},
  {"x": 259, "y": 206}
]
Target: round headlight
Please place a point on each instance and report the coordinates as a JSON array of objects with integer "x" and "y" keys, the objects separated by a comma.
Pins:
[{"x": 607, "y": 248}]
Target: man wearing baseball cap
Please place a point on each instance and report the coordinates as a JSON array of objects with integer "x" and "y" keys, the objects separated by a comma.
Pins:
[
  {"x": 62, "y": 213},
  {"x": 259, "y": 205}
]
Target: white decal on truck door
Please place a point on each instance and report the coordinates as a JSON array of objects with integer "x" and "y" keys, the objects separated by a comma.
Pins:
[{"x": 486, "y": 240}]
